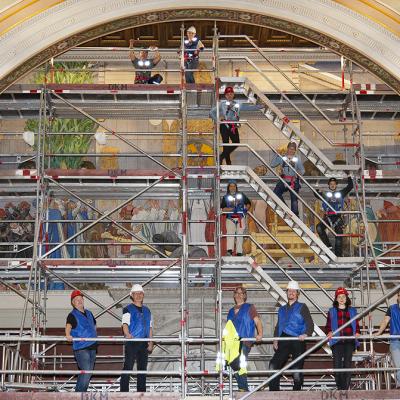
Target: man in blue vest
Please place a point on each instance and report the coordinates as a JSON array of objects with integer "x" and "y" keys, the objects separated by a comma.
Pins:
[
  {"x": 246, "y": 320},
  {"x": 81, "y": 324},
  {"x": 393, "y": 317},
  {"x": 334, "y": 202},
  {"x": 294, "y": 321},
  {"x": 193, "y": 46},
  {"x": 136, "y": 323},
  {"x": 236, "y": 204}
]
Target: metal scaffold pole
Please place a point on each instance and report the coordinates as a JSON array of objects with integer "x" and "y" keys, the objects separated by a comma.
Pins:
[{"x": 184, "y": 218}]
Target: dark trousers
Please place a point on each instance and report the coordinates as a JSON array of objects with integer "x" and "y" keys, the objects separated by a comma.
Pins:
[
  {"x": 281, "y": 188},
  {"x": 286, "y": 349},
  {"x": 336, "y": 222},
  {"x": 86, "y": 360},
  {"x": 191, "y": 64},
  {"x": 135, "y": 352},
  {"x": 227, "y": 133},
  {"x": 342, "y": 357},
  {"x": 235, "y": 365}
]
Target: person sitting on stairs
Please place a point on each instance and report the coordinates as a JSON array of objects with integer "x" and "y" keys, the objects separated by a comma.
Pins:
[{"x": 236, "y": 204}]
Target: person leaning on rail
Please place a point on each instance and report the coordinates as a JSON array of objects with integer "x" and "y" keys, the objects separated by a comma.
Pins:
[
  {"x": 392, "y": 317},
  {"x": 294, "y": 321},
  {"x": 144, "y": 64},
  {"x": 342, "y": 350},
  {"x": 290, "y": 164},
  {"x": 82, "y": 324},
  {"x": 136, "y": 323}
]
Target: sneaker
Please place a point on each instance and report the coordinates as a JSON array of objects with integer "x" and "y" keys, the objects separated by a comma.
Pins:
[
  {"x": 229, "y": 253},
  {"x": 239, "y": 254}
]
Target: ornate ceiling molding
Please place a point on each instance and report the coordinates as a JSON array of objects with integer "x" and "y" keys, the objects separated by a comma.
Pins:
[{"x": 322, "y": 21}]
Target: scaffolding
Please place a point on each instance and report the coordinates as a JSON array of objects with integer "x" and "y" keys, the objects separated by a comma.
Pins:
[{"x": 30, "y": 357}]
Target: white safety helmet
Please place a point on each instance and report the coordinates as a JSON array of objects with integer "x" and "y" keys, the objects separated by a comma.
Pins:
[
  {"x": 293, "y": 285},
  {"x": 137, "y": 288},
  {"x": 191, "y": 29}
]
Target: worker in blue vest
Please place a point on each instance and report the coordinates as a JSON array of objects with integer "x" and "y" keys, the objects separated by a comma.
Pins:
[
  {"x": 193, "y": 46},
  {"x": 136, "y": 323},
  {"x": 291, "y": 165},
  {"x": 393, "y": 317},
  {"x": 246, "y": 320},
  {"x": 342, "y": 349},
  {"x": 82, "y": 324},
  {"x": 236, "y": 204},
  {"x": 143, "y": 64},
  {"x": 334, "y": 202},
  {"x": 294, "y": 321}
]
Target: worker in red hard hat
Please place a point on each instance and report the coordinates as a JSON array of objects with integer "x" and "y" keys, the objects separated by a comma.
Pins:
[
  {"x": 342, "y": 349},
  {"x": 229, "y": 112},
  {"x": 82, "y": 324}
]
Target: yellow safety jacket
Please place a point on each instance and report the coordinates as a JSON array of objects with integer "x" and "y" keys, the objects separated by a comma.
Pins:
[{"x": 231, "y": 351}]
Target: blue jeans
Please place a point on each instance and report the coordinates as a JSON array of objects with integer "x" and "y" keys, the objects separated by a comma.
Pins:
[
  {"x": 191, "y": 64},
  {"x": 281, "y": 188},
  {"x": 242, "y": 379},
  {"x": 86, "y": 360},
  {"x": 395, "y": 352}
]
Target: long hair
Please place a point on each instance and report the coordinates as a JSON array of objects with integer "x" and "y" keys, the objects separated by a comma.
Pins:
[{"x": 348, "y": 302}]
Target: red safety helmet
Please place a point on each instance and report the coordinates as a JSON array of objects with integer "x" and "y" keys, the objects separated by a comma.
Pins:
[
  {"x": 76, "y": 293},
  {"x": 341, "y": 290},
  {"x": 229, "y": 89}
]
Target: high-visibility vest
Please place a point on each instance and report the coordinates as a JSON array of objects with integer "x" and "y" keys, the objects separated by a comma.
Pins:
[{"x": 231, "y": 351}]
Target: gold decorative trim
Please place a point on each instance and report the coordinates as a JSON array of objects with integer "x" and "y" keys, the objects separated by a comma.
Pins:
[{"x": 205, "y": 14}]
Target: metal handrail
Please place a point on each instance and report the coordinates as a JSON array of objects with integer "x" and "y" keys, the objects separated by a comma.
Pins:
[{"x": 285, "y": 76}]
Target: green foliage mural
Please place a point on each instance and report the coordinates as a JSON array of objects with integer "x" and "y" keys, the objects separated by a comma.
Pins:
[{"x": 66, "y": 73}]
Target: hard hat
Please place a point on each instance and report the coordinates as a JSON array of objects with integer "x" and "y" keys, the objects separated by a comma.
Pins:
[
  {"x": 191, "y": 29},
  {"x": 76, "y": 293},
  {"x": 341, "y": 290},
  {"x": 229, "y": 89},
  {"x": 232, "y": 181},
  {"x": 293, "y": 285},
  {"x": 137, "y": 288}
]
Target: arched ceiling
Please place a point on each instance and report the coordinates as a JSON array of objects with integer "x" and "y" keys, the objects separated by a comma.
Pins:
[{"x": 366, "y": 31}]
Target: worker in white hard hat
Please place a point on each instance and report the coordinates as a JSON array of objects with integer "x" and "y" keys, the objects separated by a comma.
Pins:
[
  {"x": 143, "y": 64},
  {"x": 136, "y": 323},
  {"x": 294, "y": 320},
  {"x": 193, "y": 46}
]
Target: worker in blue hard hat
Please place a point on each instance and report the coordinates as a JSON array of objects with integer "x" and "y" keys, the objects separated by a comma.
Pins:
[
  {"x": 236, "y": 204},
  {"x": 143, "y": 64}
]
